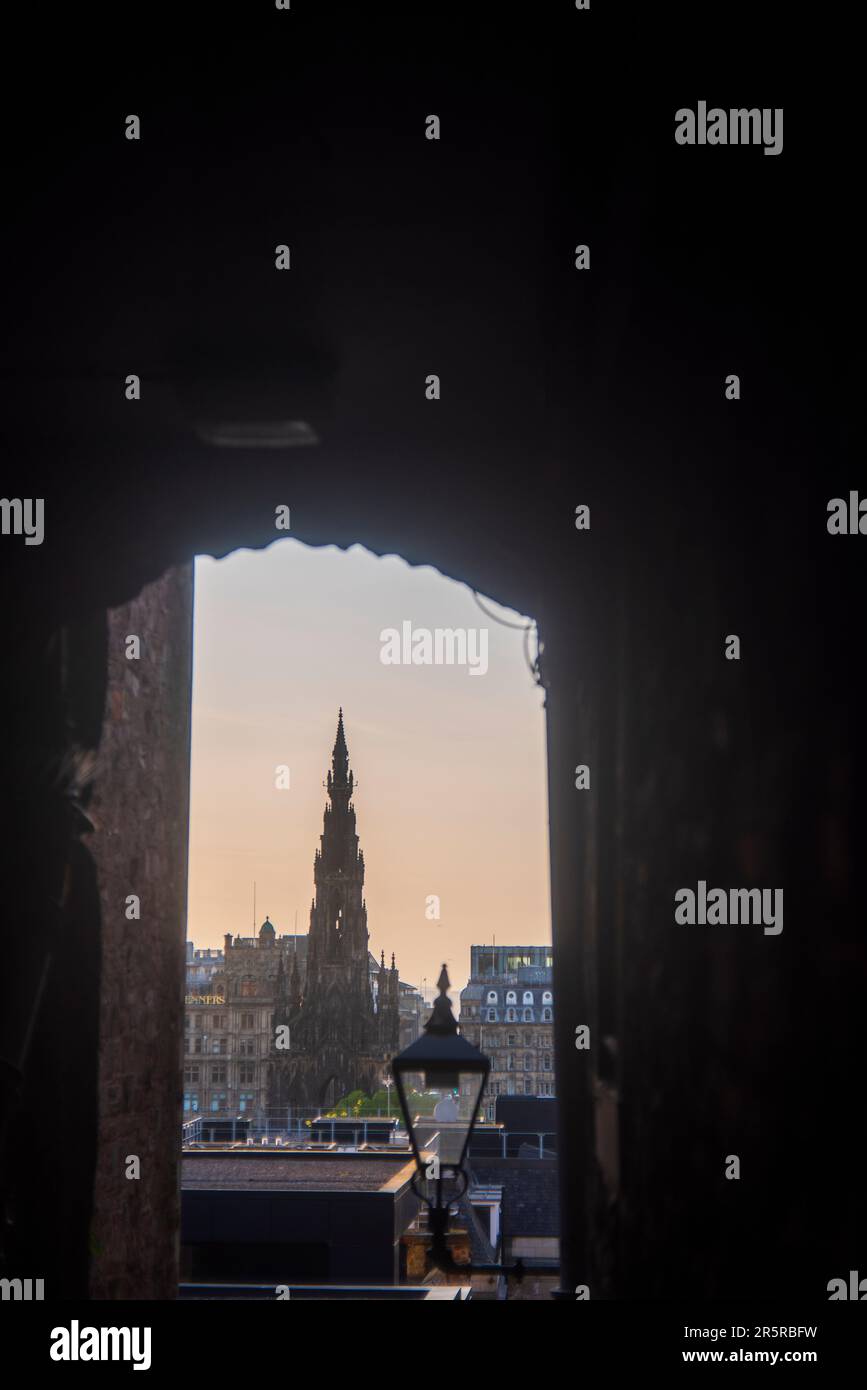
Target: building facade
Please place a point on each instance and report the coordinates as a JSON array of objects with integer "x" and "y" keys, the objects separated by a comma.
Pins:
[
  {"x": 507, "y": 1011},
  {"x": 228, "y": 1020},
  {"x": 330, "y": 1038},
  {"x": 201, "y": 967}
]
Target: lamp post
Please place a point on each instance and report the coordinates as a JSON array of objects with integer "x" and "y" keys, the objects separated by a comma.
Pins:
[{"x": 443, "y": 1064}]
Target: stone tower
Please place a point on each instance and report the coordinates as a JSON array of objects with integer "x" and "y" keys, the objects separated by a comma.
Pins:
[{"x": 338, "y": 1042}]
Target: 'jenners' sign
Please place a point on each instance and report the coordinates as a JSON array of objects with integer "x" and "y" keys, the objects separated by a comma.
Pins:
[{"x": 204, "y": 999}]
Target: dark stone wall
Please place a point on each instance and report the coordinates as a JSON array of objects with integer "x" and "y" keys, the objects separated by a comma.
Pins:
[
  {"x": 708, "y": 517},
  {"x": 140, "y": 811}
]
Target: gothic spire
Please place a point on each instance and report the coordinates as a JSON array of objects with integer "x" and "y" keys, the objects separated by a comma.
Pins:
[{"x": 340, "y": 755}]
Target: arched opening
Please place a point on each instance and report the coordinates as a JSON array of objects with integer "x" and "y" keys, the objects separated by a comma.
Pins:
[{"x": 433, "y": 840}]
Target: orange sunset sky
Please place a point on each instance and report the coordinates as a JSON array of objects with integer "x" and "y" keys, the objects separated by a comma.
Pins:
[{"x": 450, "y": 767}]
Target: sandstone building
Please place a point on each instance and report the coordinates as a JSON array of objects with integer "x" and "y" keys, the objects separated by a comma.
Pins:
[
  {"x": 228, "y": 1024},
  {"x": 507, "y": 1011}
]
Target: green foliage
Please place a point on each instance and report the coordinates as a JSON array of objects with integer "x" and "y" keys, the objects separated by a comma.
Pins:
[{"x": 359, "y": 1105}]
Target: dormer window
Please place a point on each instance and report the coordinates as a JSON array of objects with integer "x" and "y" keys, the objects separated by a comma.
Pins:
[
  {"x": 511, "y": 997},
  {"x": 528, "y": 996},
  {"x": 492, "y": 996}
]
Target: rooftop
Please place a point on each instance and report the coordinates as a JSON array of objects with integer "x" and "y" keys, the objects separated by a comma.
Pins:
[{"x": 297, "y": 1172}]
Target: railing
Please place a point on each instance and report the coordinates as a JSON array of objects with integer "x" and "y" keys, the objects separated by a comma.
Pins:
[
  {"x": 290, "y": 1130},
  {"x": 191, "y": 1131},
  {"x": 293, "y": 1132},
  {"x": 509, "y": 1138}
]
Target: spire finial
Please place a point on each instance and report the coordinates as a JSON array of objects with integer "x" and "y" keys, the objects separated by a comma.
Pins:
[
  {"x": 442, "y": 1020},
  {"x": 340, "y": 755}
]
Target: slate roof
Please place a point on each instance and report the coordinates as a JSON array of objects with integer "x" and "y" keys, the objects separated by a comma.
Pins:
[
  {"x": 530, "y": 1202},
  {"x": 289, "y": 1174}
]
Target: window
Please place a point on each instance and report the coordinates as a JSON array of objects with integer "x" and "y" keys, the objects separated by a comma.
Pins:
[
  {"x": 218, "y": 1022},
  {"x": 191, "y": 1102},
  {"x": 492, "y": 996},
  {"x": 511, "y": 997},
  {"x": 220, "y": 1047},
  {"x": 246, "y": 1101},
  {"x": 511, "y": 1015},
  {"x": 218, "y": 1101},
  {"x": 528, "y": 1015},
  {"x": 546, "y": 1016},
  {"x": 191, "y": 1073},
  {"x": 528, "y": 996},
  {"x": 218, "y": 1075},
  {"x": 510, "y": 1064},
  {"x": 248, "y": 1022},
  {"x": 198, "y": 1021},
  {"x": 546, "y": 1061},
  {"x": 512, "y": 1038},
  {"x": 528, "y": 1061},
  {"x": 197, "y": 1045},
  {"x": 547, "y": 997},
  {"x": 246, "y": 1074},
  {"x": 247, "y": 1047},
  {"x": 492, "y": 1015},
  {"x": 528, "y": 1087}
]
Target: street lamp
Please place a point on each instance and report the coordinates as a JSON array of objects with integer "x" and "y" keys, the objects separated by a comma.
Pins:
[{"x": 446, "y": 1066}]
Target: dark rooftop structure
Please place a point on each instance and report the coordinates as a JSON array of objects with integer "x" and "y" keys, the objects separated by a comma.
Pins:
[
  {"x": 295, "y": 1172},
  {"x": 249, "y": 1217}
]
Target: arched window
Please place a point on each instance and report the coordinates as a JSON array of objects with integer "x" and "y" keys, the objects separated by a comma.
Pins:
[
  {"x": 546, "y": 1015},
  {"x": 528, "y": 996},
  {"x": 492, "y": 1015},
  {"x": 511, "y": 1015},
  {"x": 511, "y": 997},
  {"x": 547, "y": 997},
  {"x": 528, "y": 1015},
  {"x": 492, "y": 996}
]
